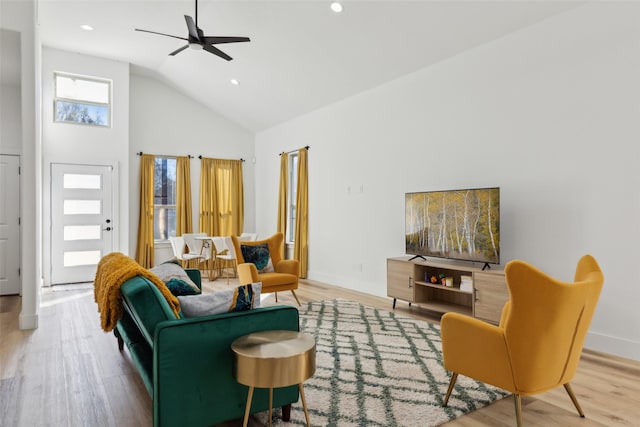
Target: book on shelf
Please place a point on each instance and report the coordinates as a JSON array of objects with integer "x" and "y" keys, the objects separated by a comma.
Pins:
[
  {"x": 466, "y": 279},
  {"x": 466, "y": 284},
  {"x": 466, "y": 288}
]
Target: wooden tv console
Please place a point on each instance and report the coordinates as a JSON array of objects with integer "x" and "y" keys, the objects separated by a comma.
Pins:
[{"x": 410, "y": 281}]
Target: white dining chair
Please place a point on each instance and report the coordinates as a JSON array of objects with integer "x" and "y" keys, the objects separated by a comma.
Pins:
[
  {"x": 200, "y": 244},
  {"x": 187, "y": 259},
  {"x": 225, "y": 256}
]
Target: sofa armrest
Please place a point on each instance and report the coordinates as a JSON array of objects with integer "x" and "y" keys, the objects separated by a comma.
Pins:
[
  {"x": 289, "y": 266},
  {"x": 193, "y": 382},
  {"x": 476, "y": 349},
  {"x": 195, "y": 275},
  {"x": 247, "y": 273}
]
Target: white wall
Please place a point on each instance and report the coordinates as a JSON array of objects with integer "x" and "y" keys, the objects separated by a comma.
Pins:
[
  {"x": 20, "y": 16},
  {"x": 11, "y": 119},
  {"x": 549, "y": 114},
  {"x": 80, "y": 144},
  {"x": 166, "y": 122}
]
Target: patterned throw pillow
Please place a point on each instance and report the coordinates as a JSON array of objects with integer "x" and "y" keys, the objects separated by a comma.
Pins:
[
  {"x": 176, "y": 279},
  {"x": 245, "y": 297},
  {"x": 259, "y": 256}
]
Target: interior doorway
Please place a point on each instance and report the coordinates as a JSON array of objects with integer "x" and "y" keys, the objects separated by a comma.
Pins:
[
  {"x": 9, "y": 224},
  {"x": 82, "y": 225}
]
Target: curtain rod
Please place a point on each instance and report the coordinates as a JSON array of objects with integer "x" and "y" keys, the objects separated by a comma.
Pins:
[
  {"x": 140, "y": 153},
  {"x": 293, "y": 151},
  {"x": 200, "y": 157}
]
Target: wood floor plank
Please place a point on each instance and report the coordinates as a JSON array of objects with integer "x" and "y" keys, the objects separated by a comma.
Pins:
[{"x": 69, "y": 372}]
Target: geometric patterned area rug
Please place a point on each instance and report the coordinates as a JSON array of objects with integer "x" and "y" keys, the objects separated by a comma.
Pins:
[{"x": 375, "y": 368}]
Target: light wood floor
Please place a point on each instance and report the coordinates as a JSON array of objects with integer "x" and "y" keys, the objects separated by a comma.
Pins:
[{"x": 68, "y": 372}]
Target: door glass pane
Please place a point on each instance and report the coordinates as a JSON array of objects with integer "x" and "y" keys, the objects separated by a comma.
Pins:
[
  {"x": 72, "y": 180},
  {"x": 74, "y": 259},
  {"x": 81, "y": 207},
  {"x": 82, "y": 232}
]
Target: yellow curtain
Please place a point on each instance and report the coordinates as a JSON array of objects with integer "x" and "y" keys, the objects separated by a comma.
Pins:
[
  {"x": 184, "y": 223},
  {"x": 207, "y": 197},
  {"x": 221, "y": 197},
  {"x": 300, "y": 248},
  {"x": 282, "y": 197},
  {"x": 144, "y": 249}
]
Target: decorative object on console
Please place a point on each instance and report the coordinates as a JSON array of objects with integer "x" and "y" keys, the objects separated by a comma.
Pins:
[{"x": 466, "y": 283}]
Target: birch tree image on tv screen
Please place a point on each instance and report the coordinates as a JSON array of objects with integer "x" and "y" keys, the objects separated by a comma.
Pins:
[{"x": 462, "y": 224}]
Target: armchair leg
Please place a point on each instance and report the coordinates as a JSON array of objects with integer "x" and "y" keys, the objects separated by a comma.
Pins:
[
  {"x": 567, "y": 387},
  {"x": 454, "y": 377},
  {"x": 296, "y": 297},
  {"x": 276, "y": 296},
  {"x": 518, "y": 401}
]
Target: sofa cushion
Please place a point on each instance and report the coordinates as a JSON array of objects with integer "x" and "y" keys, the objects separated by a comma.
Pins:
[
  {"x": 176, "y": 279},
  {"x": 259, "y": 256},
  {"x": 242, "y": 298}
]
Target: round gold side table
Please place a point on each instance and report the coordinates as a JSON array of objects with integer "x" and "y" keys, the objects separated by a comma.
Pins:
[{"x": 271, "y": 359}]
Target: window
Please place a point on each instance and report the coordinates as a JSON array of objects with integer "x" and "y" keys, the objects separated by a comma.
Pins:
[
  {"x": 82, "y": 100},
  {"x": 292, "y": 197},
  {"x": 164, "y": 198}
]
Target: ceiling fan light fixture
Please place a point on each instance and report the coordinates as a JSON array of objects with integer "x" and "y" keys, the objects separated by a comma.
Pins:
[
  {"x": 235, "y": 82},
  {"x": 336, "y": 7},
  {"x": 195, "y": 46}
]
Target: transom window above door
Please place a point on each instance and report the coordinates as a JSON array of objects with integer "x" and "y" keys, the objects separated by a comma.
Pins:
[{"x": 82, "y": 100}]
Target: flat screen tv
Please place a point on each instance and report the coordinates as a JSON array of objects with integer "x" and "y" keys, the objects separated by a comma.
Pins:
[{"x": 454, "y": 224}]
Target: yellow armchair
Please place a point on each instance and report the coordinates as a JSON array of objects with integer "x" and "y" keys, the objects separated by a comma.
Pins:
[
  {"x": 537, "y": 344},
  {"x": 285, "y": 276}
]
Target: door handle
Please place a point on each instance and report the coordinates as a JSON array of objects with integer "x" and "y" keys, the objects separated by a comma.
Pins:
[{"x": 107, "y": 229}]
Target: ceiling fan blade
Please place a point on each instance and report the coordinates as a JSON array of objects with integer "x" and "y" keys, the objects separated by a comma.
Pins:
[
  {"x": 160, "y": 34},
  {"x": 193, "y": 30},
  {"x": 216, "y": 51},
  {"x": 175, "y": 52},
  {"x": 220, "y": 40}
]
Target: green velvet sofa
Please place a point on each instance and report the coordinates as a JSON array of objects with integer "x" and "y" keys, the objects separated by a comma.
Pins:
[{"x": 186, "y": 364}]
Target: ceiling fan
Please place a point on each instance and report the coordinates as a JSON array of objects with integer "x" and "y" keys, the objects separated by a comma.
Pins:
[{"x": 197, "y": 40}]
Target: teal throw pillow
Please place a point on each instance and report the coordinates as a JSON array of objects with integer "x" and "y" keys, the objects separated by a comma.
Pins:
[
  {"x": 244, "y": 297},
  {"x": 259, "y": 256},
  {"x": 176, "y": 279}
]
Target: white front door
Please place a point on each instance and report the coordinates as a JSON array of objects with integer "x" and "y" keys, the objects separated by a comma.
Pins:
[
  {"x": 81, "y": 221},
  {"x": 9, "y": 225}
]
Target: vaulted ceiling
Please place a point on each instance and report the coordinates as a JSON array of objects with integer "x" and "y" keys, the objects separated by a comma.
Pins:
[{"x": 302, "y": 56}]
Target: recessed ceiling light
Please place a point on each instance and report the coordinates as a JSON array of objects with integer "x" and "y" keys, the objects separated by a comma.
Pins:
[
  {"x": 336, "y": 7},
  {"x": 86, "y": 27},
  {"x": 235, "y": 82}
]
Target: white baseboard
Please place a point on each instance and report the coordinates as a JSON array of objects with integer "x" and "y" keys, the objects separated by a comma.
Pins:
[{"x": 613, "y": 345}]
